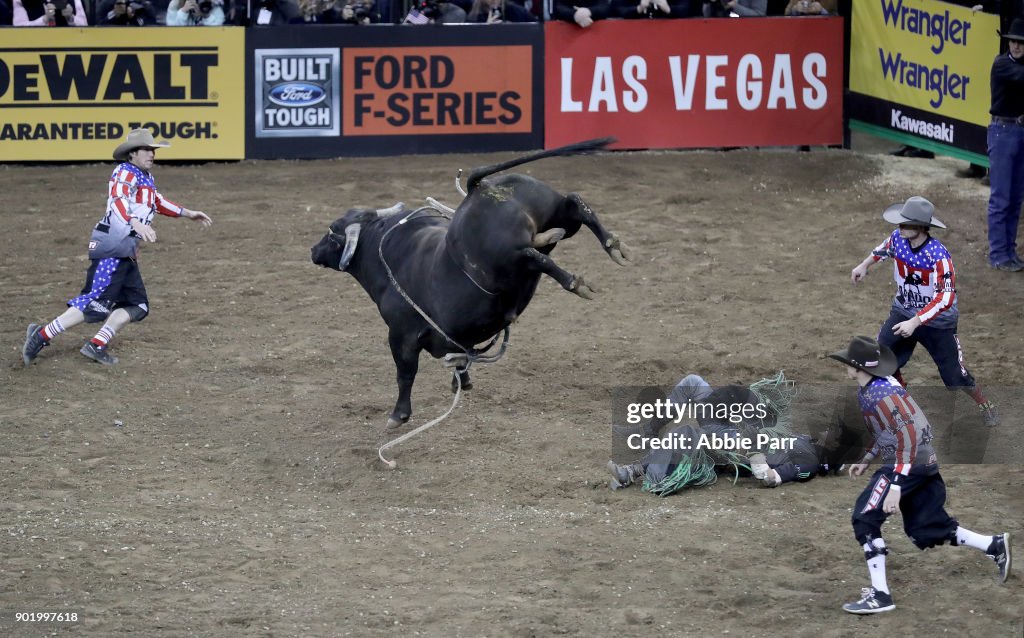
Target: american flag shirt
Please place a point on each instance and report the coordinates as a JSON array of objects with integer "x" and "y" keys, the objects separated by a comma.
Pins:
[
  {"x": 132, "y": 194},
  {"x": 925, "y": 280},
  {"x": 902, "y": 434}
]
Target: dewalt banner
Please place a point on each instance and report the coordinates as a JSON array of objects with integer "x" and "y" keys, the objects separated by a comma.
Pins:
[
  {"x": 72, "y": 95},
  {"x": 919, "y": 70}
]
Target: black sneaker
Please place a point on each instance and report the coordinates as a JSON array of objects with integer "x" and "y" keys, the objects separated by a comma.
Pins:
[
  {"x": 999, "y": 551},
  {"x": 871, "y": 602},
  {"x": 98, "y": 354},
  {"x": 34, "y": 343}
]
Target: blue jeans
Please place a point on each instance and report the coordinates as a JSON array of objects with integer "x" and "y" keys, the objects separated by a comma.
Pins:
[{"x": 1006, "y": 173}]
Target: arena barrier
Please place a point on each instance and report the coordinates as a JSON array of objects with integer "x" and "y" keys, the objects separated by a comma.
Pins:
[
  {"x": 919, "y": 74},
  {"x": 69, "y": 96}
]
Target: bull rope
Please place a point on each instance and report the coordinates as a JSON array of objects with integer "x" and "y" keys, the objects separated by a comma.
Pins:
[{"x": 451, "y": 360}]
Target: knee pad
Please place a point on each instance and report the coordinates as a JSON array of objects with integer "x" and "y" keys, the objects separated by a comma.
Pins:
[{"x": 137, "y": 313}]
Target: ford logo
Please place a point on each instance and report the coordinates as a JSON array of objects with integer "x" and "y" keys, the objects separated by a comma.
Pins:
[{"x": 297, "y": 94}]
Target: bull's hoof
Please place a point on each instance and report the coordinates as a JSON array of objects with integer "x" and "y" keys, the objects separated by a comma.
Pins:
[
  {"x": 618, "y": 250},
  {"x": 395, "y": 423},
  {"x": 581, "y": 288},
  {"x": 466, "y": 383}
]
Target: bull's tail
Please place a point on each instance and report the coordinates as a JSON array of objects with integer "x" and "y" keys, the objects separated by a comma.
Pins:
[{"x": 572, "y": 149}]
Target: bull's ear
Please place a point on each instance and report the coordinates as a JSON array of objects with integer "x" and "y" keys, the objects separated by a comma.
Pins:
[{"x": 351, "y": 239}]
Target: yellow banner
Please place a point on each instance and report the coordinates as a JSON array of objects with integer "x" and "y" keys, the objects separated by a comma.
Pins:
[
  {"x": 73, "y": 94},
  {"x": 925, "y": 54}
]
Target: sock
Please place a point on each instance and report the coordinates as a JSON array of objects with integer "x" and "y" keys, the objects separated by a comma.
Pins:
[
  {"x": 876, "y": 565},
  {"x": 976, "y": 394},
  {"x": 965, "y": 536},
  {"x": 899, "y": 377},
  {"x": 105, "y": 334},
  {"x": 52, "y": 329}
]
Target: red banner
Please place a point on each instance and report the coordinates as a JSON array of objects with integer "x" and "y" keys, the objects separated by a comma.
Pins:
[{"x": 695, "y": 83}]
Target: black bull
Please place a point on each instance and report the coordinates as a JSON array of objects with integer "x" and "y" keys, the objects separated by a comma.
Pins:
[{"x": 471, "y": 276}]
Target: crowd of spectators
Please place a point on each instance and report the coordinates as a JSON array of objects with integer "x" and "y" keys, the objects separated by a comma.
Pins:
[{"x": 30, "y": 13}]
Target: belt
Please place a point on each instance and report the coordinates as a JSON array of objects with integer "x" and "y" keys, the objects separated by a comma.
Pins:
[
  {"x": 1001, "y": 119},
  {"x": 103, "y": 228}
]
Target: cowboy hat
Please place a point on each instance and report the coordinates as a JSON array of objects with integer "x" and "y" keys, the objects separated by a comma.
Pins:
[
  {"x": 1016, "y": 31},
  {"x": 137, "y": 138},
  {"x": 864, "y": 353},
  {"x": 915, "y": 211}
]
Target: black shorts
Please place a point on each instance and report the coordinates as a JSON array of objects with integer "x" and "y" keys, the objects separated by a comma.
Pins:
[
  {"x": 110, "y": 283},
  {"x": 922, "y": 505}
]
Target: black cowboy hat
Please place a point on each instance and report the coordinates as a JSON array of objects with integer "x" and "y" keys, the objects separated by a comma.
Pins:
[
  {"x": 864, "y": 353},
  {"x": 1016, "y": 31},
  {"x": 915, "y": 211}
]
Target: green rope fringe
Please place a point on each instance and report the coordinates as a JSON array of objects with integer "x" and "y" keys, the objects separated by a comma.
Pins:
[
  {"x": 694, "y": 470},
  {"x": 777, "y": 394}
]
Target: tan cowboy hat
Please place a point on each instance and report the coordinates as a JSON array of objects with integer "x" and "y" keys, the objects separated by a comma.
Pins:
[
  {"x": 864, "y": 353},
  {"x": 137, "y": 138},
  {"x": 916, "y": 210}
]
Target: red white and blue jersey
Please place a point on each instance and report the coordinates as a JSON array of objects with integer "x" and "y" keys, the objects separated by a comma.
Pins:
[
  {"x": 131, "y": 194},
  {"x": 925, "y": 280},
  {"x": 902, "y": 434}
]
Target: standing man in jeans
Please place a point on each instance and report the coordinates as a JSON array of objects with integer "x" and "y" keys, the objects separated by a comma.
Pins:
[{"x": 1006, "y": 152}]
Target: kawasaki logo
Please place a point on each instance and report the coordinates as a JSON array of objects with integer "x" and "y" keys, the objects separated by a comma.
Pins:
[
  {"x": 942, "y": 132},
  {"x": 178, "y": 76}
]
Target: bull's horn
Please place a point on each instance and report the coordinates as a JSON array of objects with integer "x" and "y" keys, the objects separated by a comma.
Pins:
[
  {"x": 394, "y": 210},
  {"x": 458, "y": 183},
  {"x": 441, "y": 207},
  {"x": 351, "y": 239}
]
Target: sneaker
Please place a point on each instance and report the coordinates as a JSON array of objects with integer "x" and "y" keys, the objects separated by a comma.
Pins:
[
  {"x": 1009, "y": 266},
  {"x": 1017, "y": 260},
  {"x": 989, "y": 414},
  {"x": 871, "y": 602},
  {"x": 98, "y": 354},
  {"x": 624, "y": 475},
  {"x": 34, "y": 343},
  {"x": 999, "y": 551}
]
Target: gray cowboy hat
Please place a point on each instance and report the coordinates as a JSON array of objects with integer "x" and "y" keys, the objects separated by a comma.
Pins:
[
  {"x": 1015, "y": 32},
  {"x": 864, "y": 353},
  {"x": 137, "y": 138},
  {"x": 916, "y": 210}
]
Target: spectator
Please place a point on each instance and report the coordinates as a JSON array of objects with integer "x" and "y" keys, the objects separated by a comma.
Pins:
[
  {"x": 56, "y": 13},
  {"x": 314, "y": 12},
  {"x": 582, "y": 12},
  {"x": 195, "y": 13},
  {"x": 496, "y": 11},
  {"x": 273, "y": 12},
  {"x": 1006, "y": 152},
  {"x": 742, "y": 8},
  {"x": 127, "y": 13},
  {"x": 235, "y": 13},
  {"x": 435, "y": 12},
  {"x": 632, "y": 9},
  {"x": 6, "y": 15},
  {"x": 358, "y": 12},
  {"x": 811, "y": 8}
]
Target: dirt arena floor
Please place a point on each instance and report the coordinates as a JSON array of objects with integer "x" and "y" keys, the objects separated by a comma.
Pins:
[{"x": 222, "y": 480}]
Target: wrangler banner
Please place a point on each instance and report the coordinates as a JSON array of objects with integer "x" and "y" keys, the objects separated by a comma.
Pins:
[
  {"x": 72, "y": 96},
  {"x": 335, "y": 91},
  {"x": 696, "y": 83},
  {"x": 919, "y": 73}
]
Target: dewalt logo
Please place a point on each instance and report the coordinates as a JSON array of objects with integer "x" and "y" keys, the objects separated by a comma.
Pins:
[
  {"x": 114, "y": 77},
  {"x": 67, "y": 96}
]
